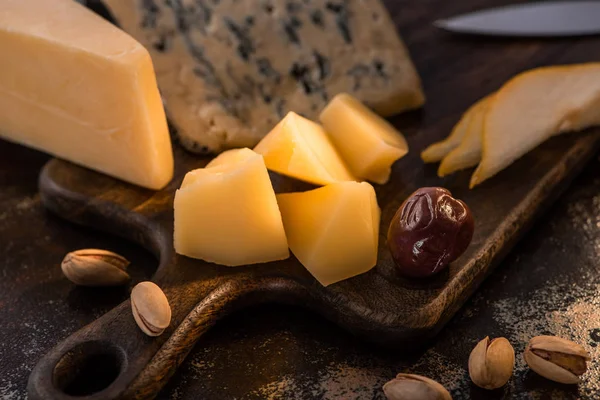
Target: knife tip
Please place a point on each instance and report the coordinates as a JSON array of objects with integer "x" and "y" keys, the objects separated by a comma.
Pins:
[{"x": 441, "y": 23}]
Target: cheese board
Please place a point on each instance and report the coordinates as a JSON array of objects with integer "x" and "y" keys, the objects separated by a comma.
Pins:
[{"x": 377, "y": 306}]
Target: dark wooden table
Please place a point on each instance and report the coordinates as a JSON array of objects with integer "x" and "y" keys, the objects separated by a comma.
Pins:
[{"x": 548, "y": 285}]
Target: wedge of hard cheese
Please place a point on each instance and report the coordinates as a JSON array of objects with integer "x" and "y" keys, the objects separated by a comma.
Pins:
[
  {"x": 300, "y": 148},
  {"x": 333, "y": 230},
  {"x": 368, "y": 143},
  {"x": 77, "y": 87},
  {"x": 227, "y": 213}
]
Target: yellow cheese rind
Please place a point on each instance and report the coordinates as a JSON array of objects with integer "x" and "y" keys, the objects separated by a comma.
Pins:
[
  {"x": 333, "y": 230},
  {"x": 367, "y": 142},
  {"x": 227, "y": 213},
  {"x": 300, "y": 148},
  {"x": 77, "y": 87}
]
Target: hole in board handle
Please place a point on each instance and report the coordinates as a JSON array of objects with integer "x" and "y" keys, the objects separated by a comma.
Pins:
[{"x": 88, "y": 368}]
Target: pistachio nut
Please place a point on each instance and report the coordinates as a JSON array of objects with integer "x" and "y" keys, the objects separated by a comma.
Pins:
[
  {"x": 491, "y": 363},
  {"x": 150, "y": 308},
  {"x": 95, "y": 267},
  {"x": 414, "y": 387},
  {"x": 556, "y": 358}
]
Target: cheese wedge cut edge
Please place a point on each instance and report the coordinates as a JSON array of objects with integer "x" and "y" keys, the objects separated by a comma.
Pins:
[{"x": 77, "y": 87}]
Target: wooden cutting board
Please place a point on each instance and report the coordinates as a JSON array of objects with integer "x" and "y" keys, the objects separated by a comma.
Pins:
[{"x": 115, "y": 359}]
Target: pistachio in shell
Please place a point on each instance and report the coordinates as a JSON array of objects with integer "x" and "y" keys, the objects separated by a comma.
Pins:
[
  {"x": 150, "y": 308},
  {"x": 491, "y": 363},
  {"x": 557, "y": 359},
  {"x": 95, "y": 267},
  {"x": 414, "y": 387}
]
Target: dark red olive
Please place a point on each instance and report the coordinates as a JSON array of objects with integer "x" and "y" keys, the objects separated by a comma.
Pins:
[{"x": 430, "y": 230}]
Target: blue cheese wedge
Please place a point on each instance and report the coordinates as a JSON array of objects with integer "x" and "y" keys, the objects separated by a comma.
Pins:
[{"x": 229, "y": 70}]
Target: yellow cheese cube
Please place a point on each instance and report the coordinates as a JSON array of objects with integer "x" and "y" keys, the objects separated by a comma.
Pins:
[
  {"x": 299, "y": 148},
  {"x": 333, "y": 230},
  {"x": 367, "y": 142},
  {"x": 227, "y": 212},
  {"x": 75, "y": 86}
]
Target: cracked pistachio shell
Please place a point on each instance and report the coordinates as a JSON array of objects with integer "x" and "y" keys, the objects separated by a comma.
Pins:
[
  {"x": 414, "y": 387},
  {"x": 95, "y": 267},
  {"x": 150, "y": 308},
  {"x": 557, "y": 359},
  {"x": 491, "y": 363}
]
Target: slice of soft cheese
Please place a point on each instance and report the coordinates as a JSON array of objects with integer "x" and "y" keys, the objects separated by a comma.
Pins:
[
  {"x": 333, "y": 230},
  {"x": 534, "y": 106},
  {"x": 77, "y": 87},
  {"x": 437, "y": 151},
  {"x": 227, "y": 212},
  {"x": 299, "y": 148},
  {"x": 468, "y": 152},
  {"x": 367, "y": 142}
]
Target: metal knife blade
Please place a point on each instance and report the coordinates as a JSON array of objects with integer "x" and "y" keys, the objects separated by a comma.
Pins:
[{"x": 540, "y": 19}]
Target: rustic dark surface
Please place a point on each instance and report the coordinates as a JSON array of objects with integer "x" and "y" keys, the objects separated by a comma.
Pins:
[
  {"x": 304, "y": 356},
  {"x": 377, "y": 305},
  {"x": 548, "y": 284}
]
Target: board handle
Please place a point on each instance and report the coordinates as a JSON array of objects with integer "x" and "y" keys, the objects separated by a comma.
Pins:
[{"x": 112, "y": 359}]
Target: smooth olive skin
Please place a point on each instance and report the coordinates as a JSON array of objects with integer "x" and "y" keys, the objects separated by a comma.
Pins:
[{"x": 430, "y": 230}]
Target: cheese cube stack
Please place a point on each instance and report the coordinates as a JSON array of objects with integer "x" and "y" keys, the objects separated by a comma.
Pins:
[
  {"x": 227, "y": 213},
  {"x": 333, "y": 230},
  {"x": 75, "y": 86},
  {"x": 300, "y": 148},
  {"x": 367, "y": 142}
]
